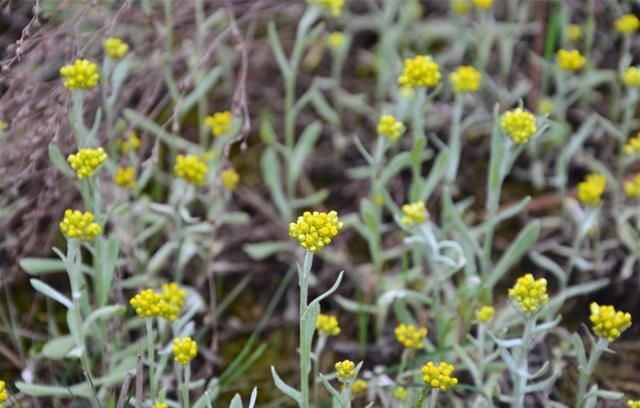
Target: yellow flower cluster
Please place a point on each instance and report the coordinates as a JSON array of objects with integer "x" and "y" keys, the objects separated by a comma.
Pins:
[
  {"x": 130, "y": 143},
  {"x": 328, "y": 325},
  {"x": 390, "y": 128},
  {"x": 419, "y": 71},
  {"x": 483, "y": 4},
  {"x": 519, "y": 124},
  {"x": 115, "y": 48},
  {"x": 632, "y": 187},
  {"x": 184, "y": 350},
  {"x": 359, "y": 386},
  {"x": 633, "y": 145},
  {"x": 125, "y": 177},
  {"x": 345, "y": 370},
  {"x": 460, "y": 6},
  {"x": 80, "y": 225},
  {"x": 465, "y": 79},
  {"x": 190, "y": 168},
  {"x": 85, "y": 161},
  {"x": 530, "y": 294},
  {"x": 591, "y": 189},
  {"x": 230, "y": 179},
  {"x": 410, "y": 336},
  {"x": 315, "y": 230},
  {"x": 633, "y": 404},
  {"x": 3, "y": 392},
  {"x": 219, "y": 122},
  {"x": 82, "y": 74},
  {"x": 400, "y": 393},
  {"x": 167, "y": 304},
  {"x": 335, "y": 40},
  {"x": 160, "y": 405},
  {"x": 439, "y": 376},
  {"x": 574, "y": 32},
  {"x": 545, "y": 106},
  {"x": 485, "y": 314},
  {"x": 631, "y": 77},
  {"x": 333, "y": 6},
  {"x": 627, "y": 24},
  {"x": 570, "y": 60},
  {"x": 608, "y": 322},
  {"x": 414, "y": 213}
]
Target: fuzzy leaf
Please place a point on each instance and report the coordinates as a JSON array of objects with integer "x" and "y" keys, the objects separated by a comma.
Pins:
[{"x": 50, "y": 292}]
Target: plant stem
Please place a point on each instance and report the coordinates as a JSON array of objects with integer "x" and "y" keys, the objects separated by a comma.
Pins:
[
  {"x": 185, "y": 385},
  {"x": 305, "y": 343},
  {"x": 150, "y": 356},
  {"x": 586, "y": 372},
  {"x": 433, "y": 398},
  {"x": 520, "y": 380},
  {"x": 455, "y": 143},
  {"x": 421, "y": 397}
]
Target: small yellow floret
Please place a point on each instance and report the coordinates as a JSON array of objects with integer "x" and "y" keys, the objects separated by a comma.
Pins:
[
  {"x": 420, "y": 71},
  {"x": 519, "y": 124},
  {"x": 545, "y": 106},
  {"x": 173, "y": 296},
  {"x": 574, "y": 32},
  {"x": 80, "y": 225},
  {"x": 390, "y": 128},
  {"x": 115, "y": 48},
  {"x": 3, "y": 392},
  {"x": 85, "y": 161},
  {"x": 530, "y": 294},
  {"x": 633, "y": 404},
  {"x": 627, "y": 24},
  {"x": 125, "y": 177},
  {"x": 82, "y": 74},
  {"x": 439, "y": 376},
  {"x": 591, "y": 189},
  {"x": 460, "y": 6},
  {"x": 148, "y": 303},
  {"x": 633, "y": 145},
  {"x": 315, "y": 230},
  {"x": 414, "y": 213},
  {"x": 359, "y": 386},
  {"x": 570, "y": 60},
  {"x": 410, "y": 336},
  {"x": 328, "y": 325},
  {"x": 333, "y": 6},
  {"x": 400, "y": 393},
  {"x": 335, "y": 40},
  {"x": 631, "y": 77},
  {"x": 345, "y": 370},
  {"x": 160, "y": 405},
  {"x": 130, "y": 143},
  {"x": 485, "y": 314},
  {"x": 632, "y": 187},
  {"x": 219, "y": 122},
  {"x": 190, "y": 168},
  {"x": 230, "y": 179},
  {"x": 465, "y": 79},
  {"x": 483, "y": 4},
  {"x": 608, "y": 322},
  {"x": 184, "y": 350}
]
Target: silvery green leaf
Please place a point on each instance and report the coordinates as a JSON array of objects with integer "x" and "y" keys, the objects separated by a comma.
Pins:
[
  {"x": 522, "y": 243},
  {"x": 353, "y": 306},
  {"x": 510, "y": 343},
  {"x": 203, "y": 85},
  {"x": 389, "y": 296},
  {"x": 107, "y": 256},
  {"x": 159, "y": 259},
  {"x": 437, "y": 172},
  {"x": 236, "y": 402},
  {"x": 50, "y": 292},
  {"x": 59, "y": 161},
  {"x": 91, "y": 136},
  {"x": 311, "y": 200},
  {"x": 326, "y": 294},
  {"x": 229, "y": 218},
  {"x": 188, "y": 250},
  {"x": 541, "y": 328},
  {"x": 547, "y": 264},
  {"x": 253, "y": 397},
  {"x": 82, "y": 390},
  {"x": 106, "y": 312},
  {"x": 581, "y": 355},
  {"x": 468, "y": 363},
  {"x": 117, "y": 79},
  {"x": 263, "y": 250},
  {"x": 303, "y": 147},
  {"x": 571, "y": 147},
  {"x": 396, "y": 165},
  {"x": 325, "y": 110},
  {"x": 41, "y": 266},
  {"x": 540, "y": 371},
  {"x": 609, "y": 395},
  {"x": 278, "y": 52},
  {"x": 545, "y": 384},
  {"x": 363, "y": 151},
  {"x": 267, "y": 132},
  {"x": 286, "y": 389},
  {"x": 337, "y": 400},
  {"x": 513, "y": 210},
  {"x": 159, "y": 132},
  {"x": 271, "y": 173},
  {"x": 58, "y": 347}
]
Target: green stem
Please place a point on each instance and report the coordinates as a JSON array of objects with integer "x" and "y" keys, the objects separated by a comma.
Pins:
[
  {"x": 519, "y": 380},
  {"x": 433, "y": 398},
  {"x": 185, "y": 385},
  {"x": 150, "y": 357},
  {"x": 455, "y": 143},
  {"x": 586, "y": 372},
  {"x": 421, "y": 397},
  {"x": 305, "y": 343}
]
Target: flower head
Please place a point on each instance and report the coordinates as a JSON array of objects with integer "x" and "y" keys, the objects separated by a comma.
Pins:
[
  {"x": 439, "y": 376},
  {"x": 184, "y": 350},
  {"x": 574, "y": 32},
  {"x": 190, "y": 168},
  {"x": 627, "y": 24},
  {"x": 519, "y": 124},
  {"x": 632, "y": 187},
  {"x": 82, "y": 74},
  {"x": 85, "y": 161},
  {"x": 230, "y": 179},
  {"x": 485, "y": 314},
  {"x": 400, "y": 393},
  {"x": 125, "y": 177},
  {"x": 633, "y": 404},
  {"x": 570, "y": 60},
  {"x": 359, "y": 386},
  {"x": 608, "y": 322},
  {"x": 465, "y": 79},
  {"x": 130, "y": 143},
  {"x": 173, "y": 296},
  {"x": 414, "y": 213},
  {"x": 591, "y": 189},
  {"x": 315, "y": 230},
  {"x": 345, "y": 370},
  {"x": 148, "y": 303},
  {"x": 80, "y": 225},
  {"x": 633, "y": 145},
  {"x": 530, "y": 294},
  {"x": 3, "y": 392},
  {"x": 333, "y": 6},
  {"x": 219, "y": 122},
  {"x": 631, "y": 77},
  {"x": 160, "y": 405},
  {"x": 483, "y": 4},
  {"x": 420, "y": 71},
  {"x": 335, "y": 40},
  {"x": 410, "y": 336},
  {"x": 460, "y": 6},
  {"x": 390, "y": 128},
  {"x": 115, "y": 48},
  {"x": 545, "y": 106},
  {"x": 328, "y": 325}
]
